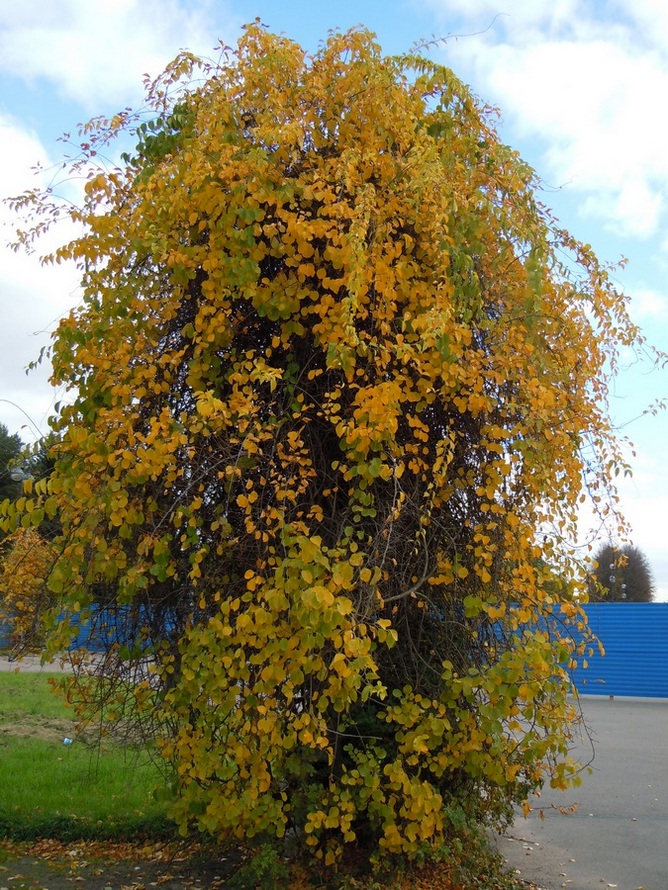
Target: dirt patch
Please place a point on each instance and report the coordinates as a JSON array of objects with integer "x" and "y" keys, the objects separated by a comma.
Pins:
[
  {"x": 29, "y": 726},
  {"x": 56, "y": 729}
]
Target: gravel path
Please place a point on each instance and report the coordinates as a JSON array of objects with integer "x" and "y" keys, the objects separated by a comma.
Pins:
[{"x": 31, "y": 664}]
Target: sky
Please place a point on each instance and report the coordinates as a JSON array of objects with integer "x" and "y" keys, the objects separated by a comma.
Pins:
[{"x": 580, "y": 85}]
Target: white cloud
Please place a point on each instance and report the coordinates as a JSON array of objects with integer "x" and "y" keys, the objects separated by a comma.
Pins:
[
  {"x": 32, "y": 297},
  {"x": 587, "y": 84},
  {"x": 649, "y": 17},
  {"x": 635, "y": 209},
  {"x": 643, "y": 504},
  {"x": 543, "y": 14},
  {"x": 97, "y": 53},
  {"x": 649, "y": 305},
  {"x": 646, "y": 517}
]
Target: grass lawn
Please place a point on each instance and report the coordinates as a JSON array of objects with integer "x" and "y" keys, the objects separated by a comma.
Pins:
[{"x": 48, "y": 788}]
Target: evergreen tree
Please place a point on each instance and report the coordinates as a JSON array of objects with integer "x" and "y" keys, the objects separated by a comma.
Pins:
[{"x": 11, "y": 447}]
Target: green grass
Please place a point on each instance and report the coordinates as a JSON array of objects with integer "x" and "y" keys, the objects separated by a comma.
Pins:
[
  {"x": 48, "y": 789},
  {"x": 30, "y": 694}
]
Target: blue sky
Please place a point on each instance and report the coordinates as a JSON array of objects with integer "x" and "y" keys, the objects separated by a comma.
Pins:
[{"x": 581, "y": 86}]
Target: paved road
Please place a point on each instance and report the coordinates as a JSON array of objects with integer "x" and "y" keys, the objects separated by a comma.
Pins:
[{"x": 618, "y": 836}]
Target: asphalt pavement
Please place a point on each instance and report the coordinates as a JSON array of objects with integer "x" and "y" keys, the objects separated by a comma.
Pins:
[{"x": 618, "y": 834}]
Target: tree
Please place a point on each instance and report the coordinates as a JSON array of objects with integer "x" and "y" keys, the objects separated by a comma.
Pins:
[
  {"x": 622, "y": 574},
  {"x": 27, "y": 555},
  {"x": 335, "y": 377},
  {"x": 10, "y": 452},
  {"x": 27, "y": 559}
]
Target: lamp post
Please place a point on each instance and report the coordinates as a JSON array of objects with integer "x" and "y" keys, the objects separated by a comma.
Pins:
[
  {"x": 20, "y": 474},
  {"x": 26, "y": 415}
]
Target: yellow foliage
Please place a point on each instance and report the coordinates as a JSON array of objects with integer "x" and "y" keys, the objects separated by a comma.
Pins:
[{"x": 25, "y": 565}]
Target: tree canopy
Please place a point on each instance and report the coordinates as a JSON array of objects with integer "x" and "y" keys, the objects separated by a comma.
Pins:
[
  {"x": 338, "y": 385},
  {"x": 11, "y": 447},
  {"x": 622, "y": 574}
]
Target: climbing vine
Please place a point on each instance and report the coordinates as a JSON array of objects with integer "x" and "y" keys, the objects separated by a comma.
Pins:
[{"x": 337, "y": 387}]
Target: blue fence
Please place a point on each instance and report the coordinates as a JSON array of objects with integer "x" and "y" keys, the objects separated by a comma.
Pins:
[
  {"x": 96, "y": 634},
  {"x": 635, "y": 639},
  {"x": 634, "y": 636}
]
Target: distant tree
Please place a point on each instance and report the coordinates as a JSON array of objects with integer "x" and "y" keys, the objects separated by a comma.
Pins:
[
  {"x": 41, "y": 463},
  {"x": 10, "y": 450},
  {"x": 26, "y": 555},
  {"x": 622, "y": 574},
  {"x": 26, "y": 561}
]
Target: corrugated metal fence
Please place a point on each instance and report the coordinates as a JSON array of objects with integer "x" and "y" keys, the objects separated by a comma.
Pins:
[
  {"x": 635, "y": 639},
  {"x": 634, "y": 635}
]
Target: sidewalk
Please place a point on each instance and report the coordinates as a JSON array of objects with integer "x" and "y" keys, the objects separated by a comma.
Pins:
[{"x": 31, "y": 664}]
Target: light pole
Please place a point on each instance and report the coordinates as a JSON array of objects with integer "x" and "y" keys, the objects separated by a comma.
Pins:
[
  {"x": 20, "y": 474},
  {"x": 32, "y": 423}
]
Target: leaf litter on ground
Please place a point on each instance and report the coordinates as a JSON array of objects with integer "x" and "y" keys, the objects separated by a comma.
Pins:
[{"x": 97, "y": 865}]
